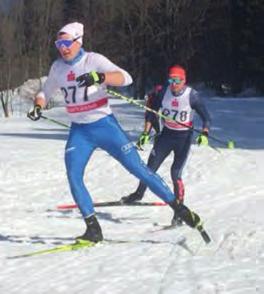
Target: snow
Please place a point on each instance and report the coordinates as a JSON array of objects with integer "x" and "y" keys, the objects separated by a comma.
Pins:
[{"x": 225, "y": 188}]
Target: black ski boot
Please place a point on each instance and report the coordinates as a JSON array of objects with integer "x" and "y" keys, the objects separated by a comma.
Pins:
[
  {"x": 190, "y": 218},
  {"x": 131, "y": 198},
  {"x": 93, "y": 231},
  {"x": 183, "y": 212}
]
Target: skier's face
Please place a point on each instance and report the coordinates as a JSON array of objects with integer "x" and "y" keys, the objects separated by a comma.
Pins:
[
  {"x": 177, "y": 83},
  {"x": 67, "y": 46}
]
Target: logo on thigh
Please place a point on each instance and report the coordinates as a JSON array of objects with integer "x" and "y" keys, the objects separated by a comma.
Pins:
[
  {"x": 126, "y": 148},
  {"x": 70, "y": 149}
]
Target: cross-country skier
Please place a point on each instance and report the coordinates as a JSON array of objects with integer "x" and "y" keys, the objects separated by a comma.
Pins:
[
  {"x": 83, "y": 77},
  {"x": 178, "y": 102}
]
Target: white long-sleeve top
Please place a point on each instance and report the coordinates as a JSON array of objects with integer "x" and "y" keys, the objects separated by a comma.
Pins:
[{"x": 83, "y": 104}]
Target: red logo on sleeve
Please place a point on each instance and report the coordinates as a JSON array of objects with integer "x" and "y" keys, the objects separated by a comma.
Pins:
[
  {"x": 174, "y": 103},
  {"x": 71, "y": 76}
]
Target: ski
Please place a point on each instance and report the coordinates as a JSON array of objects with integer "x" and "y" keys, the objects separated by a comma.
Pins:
[
  {"x": 77, "y": 245},
  {"x": 82, "y": 244},
  {"x": 112, "y": 203}
]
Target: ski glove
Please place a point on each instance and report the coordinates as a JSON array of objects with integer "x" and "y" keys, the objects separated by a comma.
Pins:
[
  {"x": 202, "y": 139},
  {"x": 91, "y": 78},
  {"x": 142, "y": 140},
  {"x": 35, "y": 113}
]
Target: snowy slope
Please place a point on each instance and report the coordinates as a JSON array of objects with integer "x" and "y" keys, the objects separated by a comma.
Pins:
[{"x": 226, "y": 188}]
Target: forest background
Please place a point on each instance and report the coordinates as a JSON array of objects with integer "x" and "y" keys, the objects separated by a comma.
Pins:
[{"x": 220, "y": 43}]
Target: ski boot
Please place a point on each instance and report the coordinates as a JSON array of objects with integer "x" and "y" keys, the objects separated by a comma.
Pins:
[
  {"x": 93, "y": 231},
  {"x": 185, "y": 214},
  {"x": 131, "y": 198},
  {"x": 176, "y": 221},
  {"x": 190, "y": 218}
]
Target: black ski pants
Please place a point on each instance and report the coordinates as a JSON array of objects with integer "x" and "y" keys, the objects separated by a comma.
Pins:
[{"x": 168, "y": 141}]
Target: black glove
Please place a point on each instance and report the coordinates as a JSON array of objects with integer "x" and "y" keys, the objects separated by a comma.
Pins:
[
  {"x": 90, "y": 78},
  {"x": 35, "y": 113}
]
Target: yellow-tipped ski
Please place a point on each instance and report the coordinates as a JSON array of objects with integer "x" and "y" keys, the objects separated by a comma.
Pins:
[{"x": 79, "y": 244}]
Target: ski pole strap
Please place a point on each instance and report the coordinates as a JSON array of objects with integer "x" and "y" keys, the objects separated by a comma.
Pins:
[{"x": 55, "y": 121}]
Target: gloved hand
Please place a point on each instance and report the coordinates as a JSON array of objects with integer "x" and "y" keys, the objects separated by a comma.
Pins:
[
  {"x": 90, "y": 78},
  {"x": 35, "y": 113},
  {"x": 142, "y": 140},
  {"x": 202, "y": 139}
]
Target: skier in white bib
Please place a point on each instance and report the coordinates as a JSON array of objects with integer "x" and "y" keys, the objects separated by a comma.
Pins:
[
  {"x": 83, "y": 78},
  {"x": 178, "y": 102}
]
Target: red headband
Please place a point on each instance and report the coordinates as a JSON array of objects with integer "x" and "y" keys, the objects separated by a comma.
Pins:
[{"x": 177, "y": 71}]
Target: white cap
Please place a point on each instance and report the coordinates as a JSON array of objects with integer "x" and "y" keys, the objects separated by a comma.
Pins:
[{"x": 74, "y": 29}]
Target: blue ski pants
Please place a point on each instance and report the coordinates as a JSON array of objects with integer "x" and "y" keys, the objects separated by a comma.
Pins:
[{"x": 106, "y": 134}]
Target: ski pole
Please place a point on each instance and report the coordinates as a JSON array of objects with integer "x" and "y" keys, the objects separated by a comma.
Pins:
[
  {"x": 230, "y": 144},
  {"x": 55, "y": 121}
]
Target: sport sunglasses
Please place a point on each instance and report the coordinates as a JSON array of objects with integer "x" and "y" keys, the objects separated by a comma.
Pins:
[
  {"x": 175, "y": 81},
  {"x": 65, "y": 43}
]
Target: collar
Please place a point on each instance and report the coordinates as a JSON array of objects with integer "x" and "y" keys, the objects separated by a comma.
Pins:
[
  {"x": 180, "y": 92},
  {"x": 78, "y": 56}
]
